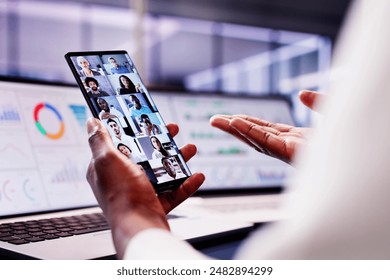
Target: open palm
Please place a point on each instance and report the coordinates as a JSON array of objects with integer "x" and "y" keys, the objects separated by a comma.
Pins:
[{"x": 274, "y": 139}]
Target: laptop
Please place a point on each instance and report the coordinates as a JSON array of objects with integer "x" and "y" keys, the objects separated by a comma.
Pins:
[
  {"x": 45, "y": 200},
  {"x": 241, "y": 183}
]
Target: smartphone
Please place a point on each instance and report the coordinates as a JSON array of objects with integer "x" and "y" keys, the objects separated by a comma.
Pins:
[{"x": 117, "y": 96}]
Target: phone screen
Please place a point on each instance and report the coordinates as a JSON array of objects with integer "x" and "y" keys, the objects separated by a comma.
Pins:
[{"x": 117, "y": 96}]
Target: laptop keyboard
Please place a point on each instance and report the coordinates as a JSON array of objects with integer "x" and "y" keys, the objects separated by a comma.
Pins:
[{"x": 47, "y": 229}]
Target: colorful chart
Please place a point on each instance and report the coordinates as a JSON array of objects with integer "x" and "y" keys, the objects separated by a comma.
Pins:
[{"x": 61, "y": 130}]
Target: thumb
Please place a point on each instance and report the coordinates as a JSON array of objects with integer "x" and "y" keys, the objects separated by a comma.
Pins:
[
  {"x": 98, "y": 137},
  {"x": 310, "y": 98}
]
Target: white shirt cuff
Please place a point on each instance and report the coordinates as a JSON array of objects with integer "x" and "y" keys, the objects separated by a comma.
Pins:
[{"x": 158, "y": 244}]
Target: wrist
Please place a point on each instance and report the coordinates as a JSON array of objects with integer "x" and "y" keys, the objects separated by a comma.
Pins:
[{"x": 125, "y": 226}]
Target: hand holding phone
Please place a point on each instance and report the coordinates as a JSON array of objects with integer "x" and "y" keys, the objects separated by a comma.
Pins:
[{"x": 117, "y": 96}]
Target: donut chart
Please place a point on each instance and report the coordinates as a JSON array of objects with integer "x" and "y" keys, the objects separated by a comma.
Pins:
[{"x": 46, "y": 106}]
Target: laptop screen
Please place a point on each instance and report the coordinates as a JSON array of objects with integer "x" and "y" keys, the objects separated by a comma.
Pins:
[
  {"x": 44, "y": 151},
  {"x": 229, "y": 164}
]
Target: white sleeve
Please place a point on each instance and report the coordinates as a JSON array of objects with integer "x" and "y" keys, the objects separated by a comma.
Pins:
[
  {"x": 342, "y": 211},
  {"x": 158, "y": 244}
]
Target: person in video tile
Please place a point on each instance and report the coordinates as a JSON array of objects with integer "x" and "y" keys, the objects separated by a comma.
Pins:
[
  {"x": 116, "y": 67},
  {"x": 126, "y": 151},
  {"x": 127, "y": 86},
  {"x": 93, "y": 88},
  {"x": 86, "y": 70},
  {"x": 149, "y": 127},
  {"x": 107, "y": 111},
  {"x": 138, "y": 109},
  {"x": 159, "y": 151},
  {"x": 171, "y": 172},
  {"x": 116, "y": 132}
]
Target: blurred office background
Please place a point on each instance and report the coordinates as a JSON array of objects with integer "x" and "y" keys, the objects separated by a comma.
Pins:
[{"x": 251, "y": 47}]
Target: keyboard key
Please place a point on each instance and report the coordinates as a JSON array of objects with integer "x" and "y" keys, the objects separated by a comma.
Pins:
[
  {"x": 18, "y": 241},
  {"x": 47, "y": 228},
  {"x": 34, "y": 239},
  {"x": 49, "y": 236},
  {"x": 37, "y": 233},
  {"x": 34, "y": 229},
  {"x": 84, "y": 231},
  {"x": 22, "y": 236},
  {"x": 63, "y": 234},
  {"x": 52, "y": 231},
  {"x": 7, "y": 238}
]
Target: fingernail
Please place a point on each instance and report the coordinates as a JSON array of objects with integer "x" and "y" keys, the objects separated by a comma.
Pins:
[{"x": 92, "y": 126}]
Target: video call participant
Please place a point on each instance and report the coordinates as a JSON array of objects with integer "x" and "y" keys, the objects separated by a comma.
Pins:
[
  {"x": 107, "y": 111},
  {"x": 126, "y": 151},
  {"x": 118, "y": 135},
  {"x": 138, "y": 109},
  {"x": 127, "y": 86},
  {"x": 116, "y": 67},
  {"x": 86, "y": 70},
  {"x": 159, "y": 151},
  {"x": 149, "y": 127},
  {"x": 93, "y": 88},
  {"x": 171, "y": 173}
]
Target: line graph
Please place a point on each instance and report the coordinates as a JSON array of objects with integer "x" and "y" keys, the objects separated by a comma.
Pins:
[
  {"x": 11, "y": 148},
  {"x": 15, "y": 151}
]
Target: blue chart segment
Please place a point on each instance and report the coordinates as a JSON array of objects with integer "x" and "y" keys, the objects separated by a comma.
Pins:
[{"x": 80, "y": 113}]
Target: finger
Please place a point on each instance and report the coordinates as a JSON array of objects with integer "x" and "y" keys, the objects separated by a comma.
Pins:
[
  {"x": 172, "y": 199},
  {"x": 252, "y": 119},
  {"x": 261, "y": 138},
  {"x": 278, "y": 126},
  {"x": 310, "y": 98},
  {"x": 98, "y": 137},
  {"x": 223, "y": 122},
  {"x": 173, "y": 129},
  {"x": 188, "y": 151},
  {"x": 271, "y": 130}
]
